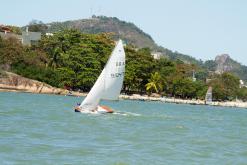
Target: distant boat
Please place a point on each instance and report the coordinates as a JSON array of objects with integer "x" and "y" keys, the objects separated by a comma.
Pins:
[
  {"x": 108, "y": 84},
  {"x": 209, "y": 96}
]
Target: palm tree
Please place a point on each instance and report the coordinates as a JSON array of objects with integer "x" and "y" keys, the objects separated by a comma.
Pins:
[{"x": 155, "y": 83}]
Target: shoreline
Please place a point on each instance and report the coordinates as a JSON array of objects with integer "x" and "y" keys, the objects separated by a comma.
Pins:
[
  {"x": 16, "y": 83},
  {"x": 237, "y": 104}
]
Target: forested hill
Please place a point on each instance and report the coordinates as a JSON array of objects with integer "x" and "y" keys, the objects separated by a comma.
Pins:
[
  {"x": 121, "y": 29},
  {"x": 129, "y": 32}
]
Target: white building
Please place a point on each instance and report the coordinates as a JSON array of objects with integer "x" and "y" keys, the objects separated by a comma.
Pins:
[
  {"x": 156, "y": 55},
  {"x": 241, "y": 84}
]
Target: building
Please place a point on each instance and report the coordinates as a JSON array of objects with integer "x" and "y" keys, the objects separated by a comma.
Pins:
[
  {"x": 10, "y": 35},
  {"x": 193, "y": 76},
  {"x": 27, "y": 38},
  {"x": 156, "y": 55},
  {"x": 6, "y": 33},
  {"x": 30, "y": 38},
  {"x": 49, "y": 34},
  {"x": 5, "y": 29},
  {"x": 242, "y": 84}
]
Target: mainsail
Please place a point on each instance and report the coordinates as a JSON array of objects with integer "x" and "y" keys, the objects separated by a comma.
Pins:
[{"x": 110, "y": 81}]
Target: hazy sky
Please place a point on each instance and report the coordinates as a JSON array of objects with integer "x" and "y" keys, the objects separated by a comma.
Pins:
[{"x": 200, "y": 28}]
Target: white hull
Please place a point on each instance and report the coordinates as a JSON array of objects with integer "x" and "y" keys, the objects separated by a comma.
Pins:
[{"x": 99, "y": 110}]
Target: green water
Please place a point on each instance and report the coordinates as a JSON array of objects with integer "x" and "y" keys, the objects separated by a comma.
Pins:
[{"x": 43, "y": 129}]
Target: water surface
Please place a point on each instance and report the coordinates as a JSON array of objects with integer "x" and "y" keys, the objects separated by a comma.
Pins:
[{"x": 43, "y": 129}]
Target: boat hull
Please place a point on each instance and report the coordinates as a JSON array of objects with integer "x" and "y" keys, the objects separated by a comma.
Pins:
[
  {"x": 104, "y": 109},
  {"x": 99, "y": 110}
]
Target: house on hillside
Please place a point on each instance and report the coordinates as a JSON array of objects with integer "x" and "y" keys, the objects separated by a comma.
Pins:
[
  {"x": 27, "y": 38},
  {"x": 156, "y": 55},
  {"x": 242, "y": 84},
  {"x": 10, "y": 35},
  {"x": 30, "y": 38},
  {"x": 6, "y": 33},
  {"x": 5, "y": 29}
]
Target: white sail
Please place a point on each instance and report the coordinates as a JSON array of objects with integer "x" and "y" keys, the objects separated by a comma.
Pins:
[{"x": 110, "y": 81}]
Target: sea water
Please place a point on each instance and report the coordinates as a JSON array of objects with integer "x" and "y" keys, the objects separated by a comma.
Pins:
[{"x": 44, "y": 129}]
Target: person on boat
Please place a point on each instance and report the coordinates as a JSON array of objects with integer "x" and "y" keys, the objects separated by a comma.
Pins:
[{"x": 78, "y": 108}]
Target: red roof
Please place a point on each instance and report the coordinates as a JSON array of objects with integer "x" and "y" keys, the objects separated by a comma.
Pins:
[{"x": 5, "y": 28}]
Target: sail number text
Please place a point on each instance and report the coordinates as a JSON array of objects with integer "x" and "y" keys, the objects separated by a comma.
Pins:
[{"x": 115, "y": 75}]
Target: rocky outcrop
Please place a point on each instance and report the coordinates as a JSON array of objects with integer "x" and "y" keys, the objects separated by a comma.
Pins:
[
  {"x": 13, "y": 82},
  {"x": 223, "y": 63}
]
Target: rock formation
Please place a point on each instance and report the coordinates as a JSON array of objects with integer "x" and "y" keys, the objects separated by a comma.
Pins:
[
  {"x": 13, "y": 82},
  {"x": 223, "y": 63}
]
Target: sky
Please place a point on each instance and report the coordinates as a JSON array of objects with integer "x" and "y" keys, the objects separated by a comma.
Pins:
[{"x": 199, "y": 28}]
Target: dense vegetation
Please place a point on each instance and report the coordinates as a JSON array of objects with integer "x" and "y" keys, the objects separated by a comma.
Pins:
[
  {"x": 74, "y": 60},
  {"x": 101, "y": 24},
  {"x": 131, "y": 34}
]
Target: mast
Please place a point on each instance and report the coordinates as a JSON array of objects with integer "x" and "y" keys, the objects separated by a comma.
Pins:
[{"x": 109, "y": 83}]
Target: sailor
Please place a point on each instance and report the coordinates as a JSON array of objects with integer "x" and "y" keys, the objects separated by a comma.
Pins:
[{"x": 77, "y": 108}]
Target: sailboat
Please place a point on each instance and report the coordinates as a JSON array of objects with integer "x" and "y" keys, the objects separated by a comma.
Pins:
[{"x": 108, "y": 84}]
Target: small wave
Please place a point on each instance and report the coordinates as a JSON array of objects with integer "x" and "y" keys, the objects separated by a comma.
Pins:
[
  {"x": 126, "y": 114},
  {"x": 180, "y": 126},
  {"x": 91, "y": 112},
  {"x": 114, "y": 113}
]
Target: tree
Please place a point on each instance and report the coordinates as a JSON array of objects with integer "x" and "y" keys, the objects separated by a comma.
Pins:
[
  {"x": 37, "y": 26},
  {"x": 155, "y": 83},
  {"x": 139, "y": 66},
  {"x": 242, "y": 93},
  {"x": 210, "y": 65},
  {"x": 80, "y": 56},
  {"x": 231, "y": 85},
  {"x": 225, "y": 86},
  {"x": 11, "y": 51},
  {"x": 165, "y": 67},
  {"x": 15, "y": 29}
]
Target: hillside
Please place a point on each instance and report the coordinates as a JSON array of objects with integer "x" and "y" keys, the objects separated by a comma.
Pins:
[
  {"x": 129, "y": 32},
  {"x": 121, "y": 29},
  {"x": 224, "y": 63}
]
